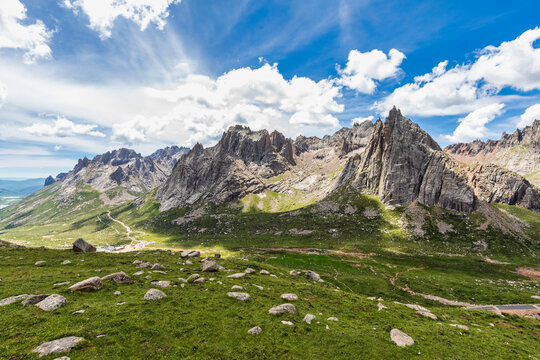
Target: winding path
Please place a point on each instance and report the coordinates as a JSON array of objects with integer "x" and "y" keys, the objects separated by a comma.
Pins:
[{"x": 135, "y": 244}]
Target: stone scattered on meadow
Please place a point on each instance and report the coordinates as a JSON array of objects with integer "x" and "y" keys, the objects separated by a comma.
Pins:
[
  {"x": 210, "y": 266},
  {"x": 138, "y": 273},
  {"x": 12, "y": 299},
  {"x": 285, "y": 322},
  {"x": 82, "y": 246},
  {"x": 381, "y": 306},
  {"x": 193, "y": 277},
  {"x": 258, "y": 286},
  {"x": 182, "y": 280},
  {"x": 237, "y": 287},
  {"x": 289, "y": 297},
  {"x": 427, "y": 314},
  {"x": 311, "y": 275},
  {"x": 295, "y": 273},
  {"x": 237, "y": 275},
  {"x": 66, "y": 262},
  {"x": 136, "y": 262},
  {"x": 239, "y": 295},
  {"x": 157, "y": 267},
  {"x": 52, "y": 302},
  {"x": 117, "y": 293},
  {"x": 91, "y": 284},
  {"x": 413, "y": 306},
  {"x": 308, "y": 318},
  {"x": 148, "y": 277},
  {"x": 34, "y": 299},
  {"x": 264, "y": 272},
  {"x": 190, "y": 254},
  {"x": 198, "y": 280},
  {"x": 118, "y": 277},
  {"x": 250, "y": 271},
  {"x": 332, "y": 319},
  {"x": 58, "y": 346},
  {"x": 459, "y": 326},
  {"x": 255, "y": 330},
  {"x": 161, "y": 283},
  {"x": 400, "y": 338},
  {"x": 154, "y": 294},
  {"x": 145, "y": 264},
  {"x": 40, "y": 263},
  {"x": 283, "y": 308},
  {"x": 188, "y": 262},
  {"x": 62, "y": 358},
  {"x": 78, "y": 312}
]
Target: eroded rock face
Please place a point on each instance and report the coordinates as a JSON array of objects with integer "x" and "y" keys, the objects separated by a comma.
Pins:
[
  {"x": 402, "y": 163},
  {"x": 229, "y": 170}
]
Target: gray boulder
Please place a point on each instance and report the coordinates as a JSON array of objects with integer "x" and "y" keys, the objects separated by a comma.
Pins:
[
  {"x": 154, "y": 294},
  {"x": 311, "y": 275},
  {"x": 82, "y": 246},
  {"x": 52, "y": 302},
  {"x": 91, "y": 284},
  {"x": 34, "y": 299},
  {"x": 58, "y": 346},
  {"x": 289, "y": 297},
  {"x": 237, "y": 275},
  {"x": 400, "y": 338},
  {"x": 282, "y": 309},
  {"x": 118, "y": 277},
  {"x": 255, "y": 330},
  {"x": 239, "y": 295},
  {"x": 308, "y": 318},
  {"x": 12, "y": 299},
  {"x": 210, "y": 266}
]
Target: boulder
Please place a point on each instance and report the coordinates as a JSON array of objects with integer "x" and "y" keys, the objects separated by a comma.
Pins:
[
  {"x": 400, "y": 338},
  {"x": 308, "y": 318},
  {"x": 91, "y": 284},
  {"x": 311, "y": 275},
  {"x": 190, "y": 254},
  {"x": 39, "y": 263},
  {"x": 12, "y": 299},
  {"x": 294, "y": 273},
  {"x": 283, "y": 308},
  {"x": 145, "y": 264},
  {"x": 118, "y": 277},
  {"x": 58, "y": 346},
  {"x": 52, "y": 302},
  {"x": 285, "y": 322},
  {"x": 198, "y": 280},
  {"x": 264, "y": 272},
  {"x": 157, "y": 267},
  {"x": 237, "y": 275},
  {"x": 82, "y": 246},
  {"x": 66, "y": 262},
  {"x": 34, "y": 299},
  {"x": 237, "y": 287},
  {"x": 239, "y": 295},
  {"x": 332, "y": 319},
  {"x": 289, "y": 297},
  {"x": 459, "y": 326},
  {"x": 210, "y": 266},
  {"x": 427, "y": 314},
  {"x": 255, "y": 330},
  {"x": 161, "y": 283},
  {"x": 154, "y": 294},
  {"x": 193, "y": 277},
  {"x": 250, "y": 271}
]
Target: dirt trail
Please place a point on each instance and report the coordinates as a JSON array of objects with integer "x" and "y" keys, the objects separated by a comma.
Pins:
[{"x": 135, "y": 244}]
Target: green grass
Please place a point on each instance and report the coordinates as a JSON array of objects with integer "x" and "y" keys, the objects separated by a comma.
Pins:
[{"x": 201, "y": 322}]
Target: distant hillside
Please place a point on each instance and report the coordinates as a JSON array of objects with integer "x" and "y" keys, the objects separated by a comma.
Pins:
[{"x": 20, "y": 187}]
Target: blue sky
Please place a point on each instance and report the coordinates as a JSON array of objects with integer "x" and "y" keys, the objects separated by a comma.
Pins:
[{"x": 80, "y": 77}]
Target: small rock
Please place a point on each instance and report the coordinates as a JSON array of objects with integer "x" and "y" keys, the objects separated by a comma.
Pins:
[
  {"x": 66, "y": 262},
  {"x": 136, "y": 262},
  {"x": 332, "y": 319},
  {"x": 239, "y": 295},
  {"x": 381, "y": 306},
  {"x": 237, "y": 287},
  {"x": 161, "y": 283},
  {"x": 58, "y": 346},
  {"x": 39, "y": 263},
  {"x": 210, "y": 266},
  {"x": 148, "y": 277},
  {"x": 118, "y": 277},
  {"x": 138, "y": 273},
  {"x": 117, "y": 293},
  {"x": 157, "y": 267},
  {"x": 274, "y": 276},
  {"x": 62, "y": 283},
  {"x": 264, "y": 272},
  {"x": 120, "y": 303},
  {"x": 427, "y": 314},
  {"x": 308, "y": 318},
  {"x": 182, "y": 280},
  {"x": 63, "y": 358},
  {"x": 295, "y": 273},
  {"x": 311, "y": 275},
  {"x": 286, "y": 322},
  {"x": 154, "y": 294},
  {"x": 144, "y": 265},
  {"x": 13, "y": 299},
  {"x": 193, "y": 277},
  {"x": 237, "y": 275},
  {"x": 459, "y": 326},
  {"x": 400, "y": 338},
  {"x": 78, "y": 312},
  {"x": 255, "y": 330},
  {"x": 52, "y": 302},
  {"x": 34, "y": 299},
  {"x": 283, "y": 308},
  {"x": 91, "y": 284},
  {"x": 258, "y": 286},
  {"x": 189, "y": 262},
  {"x": 82, "y": 246},
  {"x": 190, "y": 254},
  {"x": 198, "y": 280},
  {"x": 250, "y": 271},
  {"x": 535, "y": 297},
  {"x": 289, "y": 297}
]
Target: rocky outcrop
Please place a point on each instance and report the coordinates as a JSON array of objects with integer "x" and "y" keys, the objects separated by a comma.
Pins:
[
  {"x": 236, "y": 166},
  {"x": 518, "y": 152},
  {"x": 495, "y": 184},
  {"x": 402, "y": 163},
  {"x": 49, "y": 181}
]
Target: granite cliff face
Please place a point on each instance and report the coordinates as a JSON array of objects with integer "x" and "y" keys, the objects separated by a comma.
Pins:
[
  {"x": 395, "y": 160},
  {"x": 518, "y": 152}
]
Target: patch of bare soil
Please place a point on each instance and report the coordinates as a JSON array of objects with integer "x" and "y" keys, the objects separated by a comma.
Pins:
[
  {"x": 415, "y": 217},
  {"x": 531, "y": 273}
]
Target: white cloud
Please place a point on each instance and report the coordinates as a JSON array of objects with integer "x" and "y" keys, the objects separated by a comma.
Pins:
[
  {"x": 16, "y": 34},
  {"x": 102, "y": 13},
  {"x": 473, "y": 126},
  {"x": 203, "y": 108},
  {"x": 531, "y": 113},
  {"x": 63, "y": 128},
  {"x": 464, "y": 88},
  {"x": 363, "y": 69},
  {"x": 3, "y": 93},
  {"x": 359, "y": 120}
]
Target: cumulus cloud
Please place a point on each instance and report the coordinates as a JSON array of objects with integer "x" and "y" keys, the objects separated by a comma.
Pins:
[
  {"x": 260, "y": 98},
  {"x": 16, "y": 33},
  {"x": 3, "y": 93},
  {"x": 466, "y": 87},
  {"x": 102, "y": 13},
  {"x": 363, "y": 69},
  {"x": 359, "y": 120},
  {"x": 531, "y": 113},
  {"x": 63, "y": 127},
  {"x": 473, "y": 126}
]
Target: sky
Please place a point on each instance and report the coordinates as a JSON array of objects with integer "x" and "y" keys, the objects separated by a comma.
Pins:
[{"x": 81, "y": 77}]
